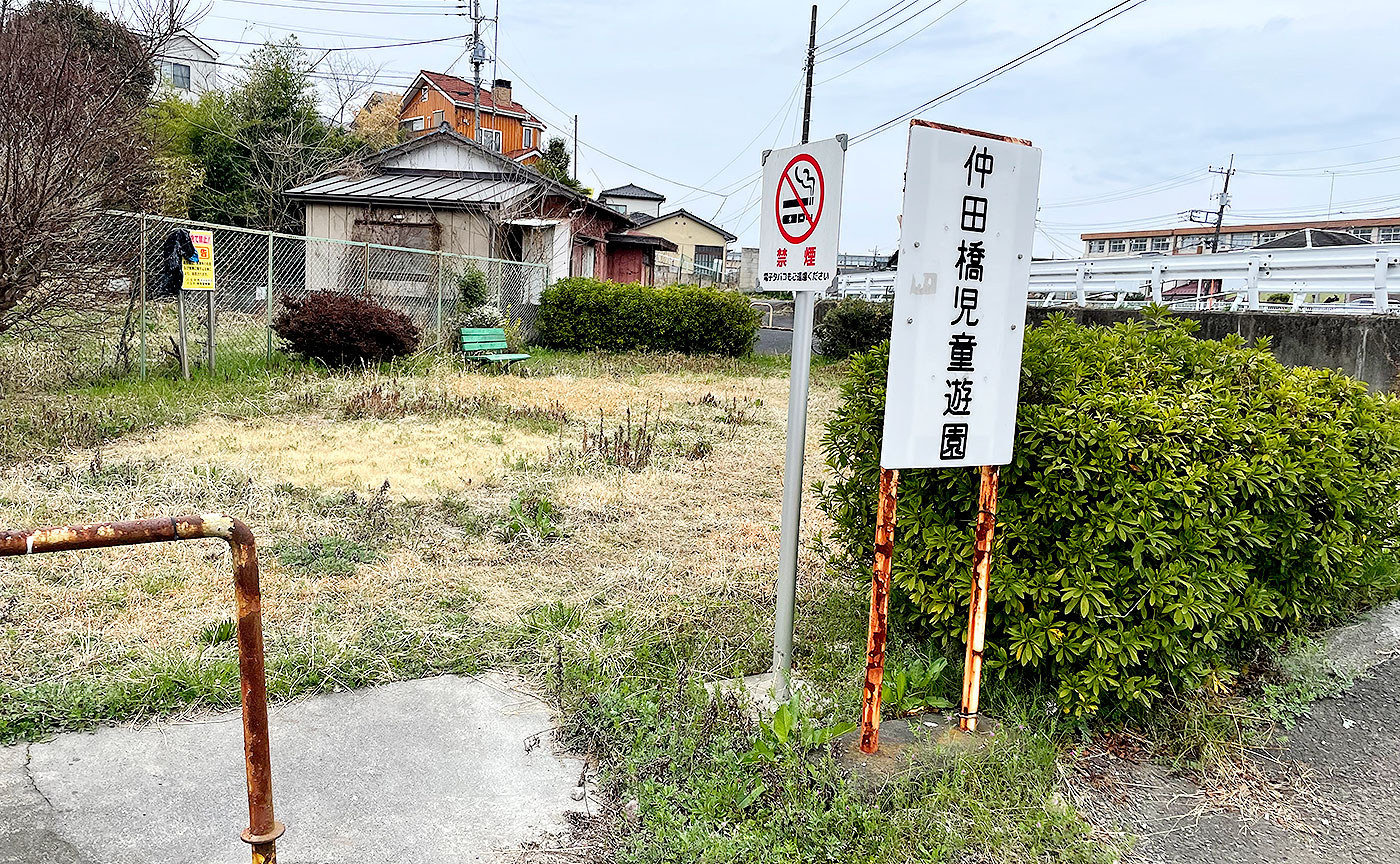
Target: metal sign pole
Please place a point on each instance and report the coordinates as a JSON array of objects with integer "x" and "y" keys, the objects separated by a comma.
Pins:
[
  {"x": 977, "y": 608},
  {"x": 783, "y": 623},
  {"x": 184, "y": 343}
]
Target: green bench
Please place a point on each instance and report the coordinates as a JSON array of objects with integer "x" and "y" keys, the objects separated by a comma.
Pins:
[{"x": 482, "y": 344}]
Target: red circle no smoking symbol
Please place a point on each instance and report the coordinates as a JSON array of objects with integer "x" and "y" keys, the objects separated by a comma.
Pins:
[{"x": 801, "y": 194}]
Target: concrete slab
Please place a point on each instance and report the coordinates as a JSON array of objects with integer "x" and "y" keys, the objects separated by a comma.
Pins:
[{"x": 439, "y": 770}]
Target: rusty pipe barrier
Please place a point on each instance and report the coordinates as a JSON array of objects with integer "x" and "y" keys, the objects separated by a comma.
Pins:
[
  {"x": 263, "y": 830},
  {"x": 977, "y": 605},
  {"x": 879, "y": 612}
]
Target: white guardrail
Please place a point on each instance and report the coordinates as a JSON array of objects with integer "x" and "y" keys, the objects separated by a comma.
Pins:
[{"x": 1354, "y": 280}]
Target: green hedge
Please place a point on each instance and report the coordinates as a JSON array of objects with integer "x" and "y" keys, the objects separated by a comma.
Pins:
[
  {"x": 853, "y": 325},
  {"x": 1170, "y": 500},
  {"x": 587, "y": 314}
]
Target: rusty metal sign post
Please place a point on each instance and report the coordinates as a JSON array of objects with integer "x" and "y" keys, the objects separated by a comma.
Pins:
[
  {"x": 955, "y": 353},
  {"x": 263, "y": 830}
]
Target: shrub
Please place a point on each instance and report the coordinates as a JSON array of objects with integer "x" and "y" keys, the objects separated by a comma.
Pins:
[
  {"x": 586, "y": 314},
  {"x": 472, "y": 288},
  {"x": 1170, "y": 500},
  {"x": 481, "y": 316},
  {"x": 343, "y": 329},
  {"x": 853, "y": 325}
]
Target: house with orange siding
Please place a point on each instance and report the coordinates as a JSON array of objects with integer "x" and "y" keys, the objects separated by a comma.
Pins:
[{"x": 435, "y": 99}]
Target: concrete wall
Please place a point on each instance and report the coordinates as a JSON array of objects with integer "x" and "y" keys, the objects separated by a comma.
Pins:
[{"x": 1363, "y": 346}]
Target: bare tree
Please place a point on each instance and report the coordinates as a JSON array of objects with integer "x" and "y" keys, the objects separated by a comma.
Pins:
[
  {"x": 348, "y": 82},
  {"x": 73, "y": 87}
]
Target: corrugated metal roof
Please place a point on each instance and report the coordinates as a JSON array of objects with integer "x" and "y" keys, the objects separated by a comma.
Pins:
[{"x": 426, "y": 188}]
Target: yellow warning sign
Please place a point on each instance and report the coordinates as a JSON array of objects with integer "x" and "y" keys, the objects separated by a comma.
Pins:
[{"x": 199, "y": 275}]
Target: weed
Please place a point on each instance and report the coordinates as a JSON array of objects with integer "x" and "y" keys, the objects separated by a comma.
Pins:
[
  {"x": 791, "y": 731},
  {"x": 330, "y": 556},
  {"x": 216, "y": 634},
  {"x": 1302, "y": 673},
  {"x": 627, "y": 446},
  {"x": 915, "y": 688},
  {"x": 530, "y": 518}
]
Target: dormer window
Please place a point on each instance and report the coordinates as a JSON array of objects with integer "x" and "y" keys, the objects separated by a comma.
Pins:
[
  {"x": 529, "y": 138},
  {"x": 423, "y": 96}
]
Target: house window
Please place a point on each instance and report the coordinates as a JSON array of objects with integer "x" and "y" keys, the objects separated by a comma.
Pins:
[
  {"x": 1138, "y": 244},
  {"x": 587, "y": 261},
  {"x": 177, "y": 75},
  {"x": 1117, "y": 245},
  {"x": 708, "y": 258},
  {"x": 438, "y": 119},
  {"x": 1389, "y": 234},
  {"x": 423, "y": 94},
  {"x": 490, "y": 139},
  {"x": 1161, "y": 244},
  {"x": 1266, "y": 236},
  {"x": 1096, "y": 247},
  {"x": 412, "y": 124},
  {"x": 1363, "y": 233},
  {"x": 530, "y": 140},
  {"x": 621, "y": 208}
]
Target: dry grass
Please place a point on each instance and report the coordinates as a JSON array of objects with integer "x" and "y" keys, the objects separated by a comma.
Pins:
[{"x": 663, "y": 542}]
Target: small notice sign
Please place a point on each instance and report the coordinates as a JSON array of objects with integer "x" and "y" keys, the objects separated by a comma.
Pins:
[
  {"x": 960, "y": 298},
  {"x": 199, "y": 275},
  {"x": 800, "y": 223}
]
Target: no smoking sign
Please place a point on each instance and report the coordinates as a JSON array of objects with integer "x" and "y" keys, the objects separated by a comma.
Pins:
[
  {"x": 800, "y": 227},
  {"x": 800, "y": 198}
]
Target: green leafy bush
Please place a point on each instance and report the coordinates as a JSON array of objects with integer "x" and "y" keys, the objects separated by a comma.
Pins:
[
  {"x": 853, "y": 325},
  {"x": 472, "y": 288},
  {"x": 587, "y": 314},
  {"x": 1170, "y": 499}
]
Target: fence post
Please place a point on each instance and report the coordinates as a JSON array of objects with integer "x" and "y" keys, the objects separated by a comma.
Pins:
[
  {"x": 442, "y": 337},
  {"x": 1382, "y": 292},
  {"x": 1252, "y": 285},
  {"x": 209, "y": 352},
  {"x": 367, "y": 268},
  {"x": 141, "y": 262},
  {"x": 270, "y": 282}
]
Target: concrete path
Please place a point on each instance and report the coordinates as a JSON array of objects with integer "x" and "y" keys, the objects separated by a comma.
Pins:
[
  {"x": 440, "y": 770},
  {"x": 1328, "y": 790}
]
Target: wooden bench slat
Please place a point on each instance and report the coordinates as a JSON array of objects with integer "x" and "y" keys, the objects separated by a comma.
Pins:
[{"x": 476, "y": 340}]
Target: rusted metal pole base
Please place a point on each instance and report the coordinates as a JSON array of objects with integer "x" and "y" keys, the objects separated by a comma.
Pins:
[
  {"x": 879, "y": 612},
  {"x": 263, "y": 830},
  {"x": 977, "y": 609}
]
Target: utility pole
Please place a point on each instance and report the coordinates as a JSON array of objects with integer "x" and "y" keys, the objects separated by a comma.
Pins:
[
  {"x": 478, "y": 57},
  {"x": 1224, "y": 201},
  {"x": 811, "y": 61},
  {"x": 575, "y": 148},
  {"x": 799, "y": 380}
]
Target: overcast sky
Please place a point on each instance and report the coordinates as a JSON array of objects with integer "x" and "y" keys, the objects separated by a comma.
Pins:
[{"x": 1129, "y": 115}]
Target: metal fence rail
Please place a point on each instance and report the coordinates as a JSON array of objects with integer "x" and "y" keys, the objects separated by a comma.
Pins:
[
  {"x": 134, "y": 323},
  {"x": 1357, "y": 278}
]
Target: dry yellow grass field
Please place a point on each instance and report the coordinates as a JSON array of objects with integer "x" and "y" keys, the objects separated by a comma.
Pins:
[{"x": 662, "y": 541}]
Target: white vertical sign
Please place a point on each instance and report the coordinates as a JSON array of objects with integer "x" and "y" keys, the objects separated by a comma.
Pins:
[
  {"x": 800, "y": 216},
  {"x": 960, "y": 298}
]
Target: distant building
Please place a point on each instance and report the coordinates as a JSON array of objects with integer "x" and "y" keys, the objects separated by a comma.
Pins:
[
  {"x": 435, "y": 100},
  {"x": 632, "y": 200},
  {"x": 697, "y": 240},
  {"x": 856, "y": 263},
  {"x": 187, "y": 66},
  {"x": 443, "y": 192},
  {"x": 1196, "y": 239}
]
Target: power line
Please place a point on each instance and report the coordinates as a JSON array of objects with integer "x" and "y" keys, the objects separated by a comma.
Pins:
[
  {"x": 866, "y": 25},
  {"x": 893, "y": 27},
  {"x": 314, "y": 5},
  {"x": 833, "y": 15},
  {"x": 1044, "y": 48},
  {"x": 346, "y": 47},
  {"x": 955, "y": 8}
]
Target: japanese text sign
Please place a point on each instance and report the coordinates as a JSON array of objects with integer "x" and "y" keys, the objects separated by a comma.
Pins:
[
  {"x": 960, "y": 298},
  {"x": 199, "y": 275},
  {"x": 800, "y": 215}
]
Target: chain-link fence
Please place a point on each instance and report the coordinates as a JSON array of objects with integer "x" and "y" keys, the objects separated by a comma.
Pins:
[{"x": 134, "y": 321}]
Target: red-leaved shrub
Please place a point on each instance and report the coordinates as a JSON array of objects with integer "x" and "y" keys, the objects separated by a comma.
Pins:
[{"x": 345, "y": 329}]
